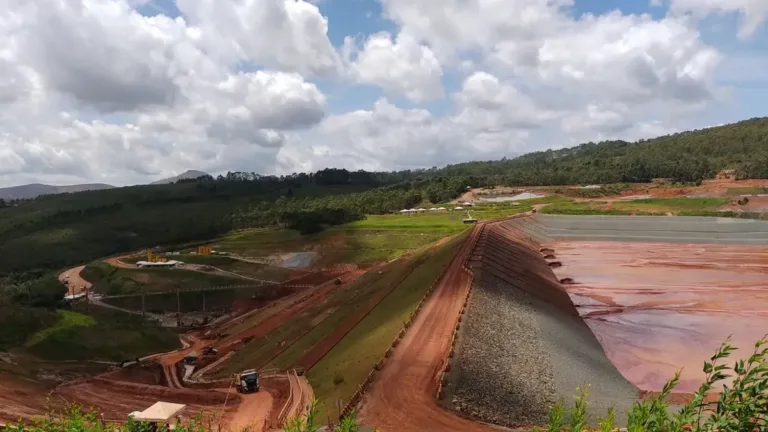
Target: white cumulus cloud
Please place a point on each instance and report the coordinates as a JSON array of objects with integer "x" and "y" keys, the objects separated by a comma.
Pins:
[{"x": 402, "y": 66}]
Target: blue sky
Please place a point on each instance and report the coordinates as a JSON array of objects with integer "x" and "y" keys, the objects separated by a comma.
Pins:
[
  {"x": 360, "y": 18},
  {"x": 260, "y": 85}
]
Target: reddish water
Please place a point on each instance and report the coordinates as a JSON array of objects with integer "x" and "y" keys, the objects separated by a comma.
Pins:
[{"x": 656, "y": 308}]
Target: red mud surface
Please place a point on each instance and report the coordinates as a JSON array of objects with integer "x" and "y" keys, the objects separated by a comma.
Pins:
[
  {"x": 656, "y": 308},
  {"x": 402, "y": 397},
  {"x": 23, "y": 399},
  {"x": 118, "y": 399}
]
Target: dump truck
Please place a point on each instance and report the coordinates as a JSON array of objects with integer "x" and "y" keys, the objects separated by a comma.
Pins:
[{"x": 248, "y": 381}]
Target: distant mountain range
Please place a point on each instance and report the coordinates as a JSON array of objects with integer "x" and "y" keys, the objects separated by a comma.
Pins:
[
  {"x": 190, "y": 174},
  {"x": 36, "y": 189}
]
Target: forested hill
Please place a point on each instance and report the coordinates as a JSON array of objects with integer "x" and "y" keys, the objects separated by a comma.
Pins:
[
  {"x": 685, "y": 156},
  {"x": 46, "y": 234}
]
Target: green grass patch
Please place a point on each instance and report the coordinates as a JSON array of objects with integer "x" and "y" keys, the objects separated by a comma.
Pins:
[
  {"x": 641, "y": 207},
  {"x": 339, "y": 373},
  {"x": 248, "y": 269},
  {"x": 674, "y": 204},
  {"x": 374, "y": 239},
  {"x": 194, "y": 301},
  {"x": 19, "y": 323},
  {"x": 320, "y": 320},
  {"x": 67, "y": 320},
  {"x": 582, "y": 208},
  {"x": 111, "y": 280},
  {"x": 211, "y": 260},
  {"x": 100, "y": 334}
]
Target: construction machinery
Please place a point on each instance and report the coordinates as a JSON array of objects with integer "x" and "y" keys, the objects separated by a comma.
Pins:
[
  {"x": 248, "y": 381},
  {"x": 155, "y": 259}
]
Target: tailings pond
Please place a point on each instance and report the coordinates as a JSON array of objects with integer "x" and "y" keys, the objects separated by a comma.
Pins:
[{"x": 658, "y": 307}]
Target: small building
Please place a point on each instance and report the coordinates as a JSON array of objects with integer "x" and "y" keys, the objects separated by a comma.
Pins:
[
  {"x": 73, "y": 297},
  {"x": 166, "y": 264}
]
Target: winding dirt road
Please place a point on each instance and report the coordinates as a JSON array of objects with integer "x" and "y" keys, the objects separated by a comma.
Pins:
[
  {"x": 74, "y": 282},
  {"x": 402, "y": 397}
]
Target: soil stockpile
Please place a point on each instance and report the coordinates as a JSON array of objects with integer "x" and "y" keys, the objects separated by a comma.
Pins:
[{"x": 522, "y": 345}]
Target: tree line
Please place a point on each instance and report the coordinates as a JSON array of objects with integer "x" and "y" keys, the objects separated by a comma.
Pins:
[{"x": 52, "y": 232}]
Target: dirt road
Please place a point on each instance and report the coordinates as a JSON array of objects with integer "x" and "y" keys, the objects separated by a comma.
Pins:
[
  {"x": 252, "y": 413},
  {"x": 403, "y": 396},
  {"x": 75, "y": 283}
]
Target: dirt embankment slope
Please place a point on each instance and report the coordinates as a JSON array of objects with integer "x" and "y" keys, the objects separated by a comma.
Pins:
[
  {"x": 403, "y": 396},
  {"x": 511, "y": 272}
]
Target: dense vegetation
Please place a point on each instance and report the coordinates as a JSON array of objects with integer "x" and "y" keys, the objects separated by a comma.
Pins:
[
  {"x": 685, "y": 156},
  {"x": 740, "y": 406},
  {"x": 52, "y": 232},
  {"x": 81, "y": 334}
]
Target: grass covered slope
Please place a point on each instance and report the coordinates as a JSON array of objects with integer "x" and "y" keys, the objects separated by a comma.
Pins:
[
  {"x": 639, "y": 207},
  {"x": 338, "y": 374},
  {"x": 286, "y": 344},
  {"x": 110, "y": 280},
  {"x": 18, "y": 324},
  {"x": 376, "y": 238},
  {"x": 81, "y": 334},
  {"x": 100, "y": 334}
]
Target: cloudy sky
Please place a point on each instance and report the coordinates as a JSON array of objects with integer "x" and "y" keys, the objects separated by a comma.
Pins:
[{"x": 129, "y": 91}]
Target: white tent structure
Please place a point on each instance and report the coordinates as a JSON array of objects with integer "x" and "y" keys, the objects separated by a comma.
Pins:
[
  {"x": 421, "y": 210},
  {"x": 441, "y": 209},
  {"x": 459, "y": 208},
  {"x": 160, "y": 412},
  {"x": 404, "y": 211},
  {"x": 169, "y": 263},
  {"x": 432, "y": 209}
]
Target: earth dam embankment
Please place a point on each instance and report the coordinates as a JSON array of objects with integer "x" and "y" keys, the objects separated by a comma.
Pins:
[{"x": 619, "y": 303}]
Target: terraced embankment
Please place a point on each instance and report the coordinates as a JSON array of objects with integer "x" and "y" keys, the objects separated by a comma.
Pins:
[
  {"x": 658, "y": 293},
  {"x": 522, "y": 345}
]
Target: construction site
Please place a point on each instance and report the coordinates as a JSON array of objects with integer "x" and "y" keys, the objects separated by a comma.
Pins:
[{"x": 488, "y": 326}]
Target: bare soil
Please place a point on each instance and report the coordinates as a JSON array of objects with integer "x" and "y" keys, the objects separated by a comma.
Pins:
[
  {"x": 402, "y": 397},
  {"x": 75, "y": 283}
]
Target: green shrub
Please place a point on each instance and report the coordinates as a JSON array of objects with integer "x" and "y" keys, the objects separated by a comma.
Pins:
[
  {"x": 74, "y": 419},
  {"x": 742, "y": 405}
]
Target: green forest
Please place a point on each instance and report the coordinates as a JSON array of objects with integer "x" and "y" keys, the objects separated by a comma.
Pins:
[{"x": 41, "y": 236}]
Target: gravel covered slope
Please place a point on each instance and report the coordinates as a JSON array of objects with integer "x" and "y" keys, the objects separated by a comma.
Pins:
[
  {"x": 504, "y": 373},
  {"x": 521, "y": 347}
]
